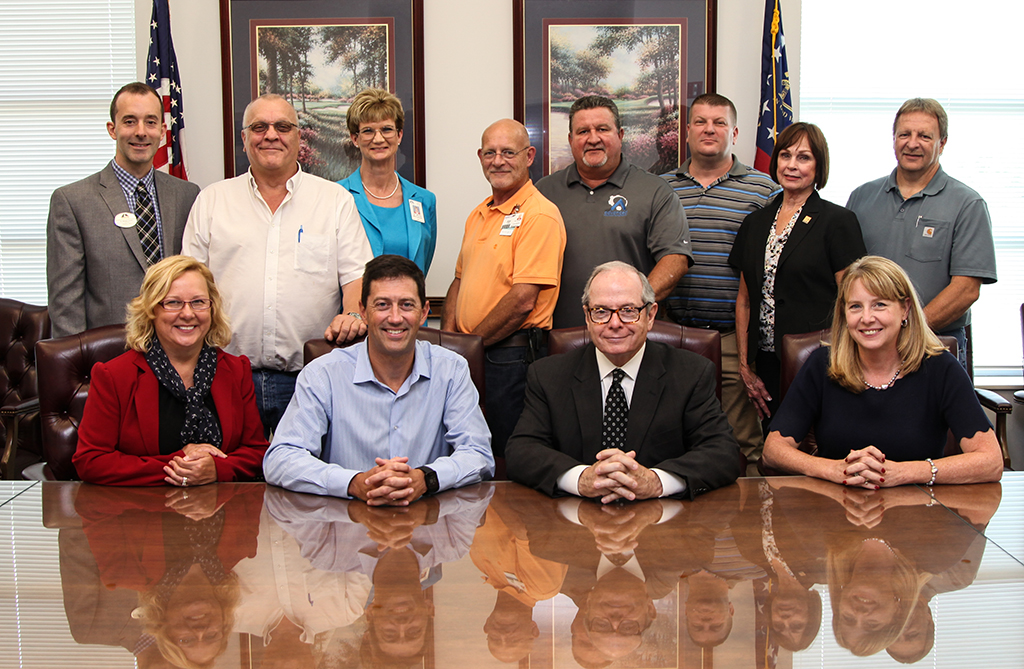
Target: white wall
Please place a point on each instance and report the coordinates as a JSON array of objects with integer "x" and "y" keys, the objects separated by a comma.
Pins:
[{"x": 464, "y": 41}]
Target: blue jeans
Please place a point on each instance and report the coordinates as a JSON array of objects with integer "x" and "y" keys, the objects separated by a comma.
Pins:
[
  {"x": 274, "y": 390},
  {"x": 505, "y": 387}
]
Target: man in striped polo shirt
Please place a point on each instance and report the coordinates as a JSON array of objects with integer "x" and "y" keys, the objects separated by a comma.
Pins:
[{"x": 717, "y": 192}]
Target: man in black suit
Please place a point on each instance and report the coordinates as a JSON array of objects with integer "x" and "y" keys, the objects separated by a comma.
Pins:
[{"x": 622, "y": 418}]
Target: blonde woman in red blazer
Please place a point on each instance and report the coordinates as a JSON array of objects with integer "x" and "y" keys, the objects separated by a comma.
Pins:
[{"x": 175, "y": 409}]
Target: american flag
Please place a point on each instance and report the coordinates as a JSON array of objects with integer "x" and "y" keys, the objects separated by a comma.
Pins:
[
  {"x": 162, "y": 74},
  {"x": 776, "y": 101}
]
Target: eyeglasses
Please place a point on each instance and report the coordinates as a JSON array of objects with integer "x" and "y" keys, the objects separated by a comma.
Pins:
[
  {"x": 259, "y": 127},
  {"x": 507, "y": 154},
  {"x": 601, "y": 315},
  {"x": 198, "y": 304},
  {"x": 604, "y": 626},
  {"x": 387, "y": 132}
]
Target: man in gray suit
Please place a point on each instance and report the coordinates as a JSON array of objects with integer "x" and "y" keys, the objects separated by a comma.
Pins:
[{"x": 104, "y": 231}]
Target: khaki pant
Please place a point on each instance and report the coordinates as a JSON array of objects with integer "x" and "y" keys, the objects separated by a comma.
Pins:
[{"x": 741, "y": 413}]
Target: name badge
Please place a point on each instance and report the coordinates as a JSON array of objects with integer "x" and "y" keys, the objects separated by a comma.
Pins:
[
  {"x": 511, "y": 222},
  {"x": 125, "y": 219},
  {"x": 416, "y": 210},
  {"x": 929, "y": 232}
]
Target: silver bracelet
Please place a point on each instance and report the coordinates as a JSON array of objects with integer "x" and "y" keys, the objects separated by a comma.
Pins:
[{"x": 935, "y": 471}]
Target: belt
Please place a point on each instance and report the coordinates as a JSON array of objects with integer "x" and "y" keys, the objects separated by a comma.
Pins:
[{"x": 520, "y": 338}]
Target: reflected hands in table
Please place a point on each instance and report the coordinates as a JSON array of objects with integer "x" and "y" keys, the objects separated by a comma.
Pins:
[
  {"x": 390, "y": 527},
  {"x": 617, "y": 475},
  {"x": 616, "y": 529},
  {"x": 193, "y": 504},
  {"x": 391, "y": 483}
]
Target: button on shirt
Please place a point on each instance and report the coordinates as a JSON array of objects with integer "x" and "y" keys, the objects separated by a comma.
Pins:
[
  {"x": 569, "y": 481},
  {"x": 434, "y": 419},
  {"x": 280, "y": 273}
]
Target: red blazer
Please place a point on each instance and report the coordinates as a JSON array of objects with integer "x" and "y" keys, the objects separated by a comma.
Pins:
[{"x": 119, "y": 438}]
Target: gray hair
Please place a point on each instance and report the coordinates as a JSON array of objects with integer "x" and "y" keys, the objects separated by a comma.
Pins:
[{"x": 646, "y": 292}]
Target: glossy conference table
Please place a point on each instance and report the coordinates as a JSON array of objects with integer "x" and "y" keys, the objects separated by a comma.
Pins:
[{"x": 776, "y": 572}]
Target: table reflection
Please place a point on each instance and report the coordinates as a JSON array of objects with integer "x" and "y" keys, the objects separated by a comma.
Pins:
[{"x": 769, "y": 573}]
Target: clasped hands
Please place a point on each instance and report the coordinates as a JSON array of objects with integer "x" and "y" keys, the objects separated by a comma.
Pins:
[
  {"x": 617, "y": 529},
  {"x": 868, "y": 468},
  {"x": 617, "y": 475},
  {"x": 195, "y": 468},
  {"x": 391, "y": 483}
]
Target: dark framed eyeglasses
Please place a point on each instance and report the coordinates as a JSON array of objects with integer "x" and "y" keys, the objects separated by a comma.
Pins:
[
  {"x": 259, "y": 127},
  {"x": 627, "y": 315},
  {"x": 198, "y": 304},
  {"x": 605, "y": 626}
]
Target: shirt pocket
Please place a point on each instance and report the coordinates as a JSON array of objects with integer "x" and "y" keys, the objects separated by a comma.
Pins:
[
  {"x": 930, "y": 240},
  {"x": 312, "y": 253}
]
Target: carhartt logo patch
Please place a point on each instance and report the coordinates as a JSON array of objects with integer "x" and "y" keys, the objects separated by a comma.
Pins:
[{"x": 929, "y": 232}]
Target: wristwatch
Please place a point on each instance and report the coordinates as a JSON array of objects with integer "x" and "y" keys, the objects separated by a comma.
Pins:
[{"x": 430, "y": 478}]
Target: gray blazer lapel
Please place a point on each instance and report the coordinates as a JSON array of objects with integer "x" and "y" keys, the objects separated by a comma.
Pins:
[
  {"x": 115, "y": 199},
  {"x": 650, "y": 383},
  {"x": 168, "y": 212}
]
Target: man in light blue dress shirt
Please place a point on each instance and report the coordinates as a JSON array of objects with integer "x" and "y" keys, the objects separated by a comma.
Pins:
[{"x": 386, "y": 420}]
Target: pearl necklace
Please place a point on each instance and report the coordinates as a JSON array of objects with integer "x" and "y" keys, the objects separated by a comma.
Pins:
[
  {"x": 885, "y": 386},
  {"x": 378, "y": 197}
]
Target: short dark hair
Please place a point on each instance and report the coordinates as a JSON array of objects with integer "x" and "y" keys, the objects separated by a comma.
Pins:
[
  {"x": 594, "y": 102},
  {"x": 134, "y": 88},
  {"x": 713, "y": 100},
  {"x": 393, "y": 267},
  {"x": 819, "y": 149}
]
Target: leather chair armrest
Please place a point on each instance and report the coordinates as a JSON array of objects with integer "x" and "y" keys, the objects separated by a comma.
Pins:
[
  {"x": 993, "y": 401},
  {"x": 20, "y": 409}
]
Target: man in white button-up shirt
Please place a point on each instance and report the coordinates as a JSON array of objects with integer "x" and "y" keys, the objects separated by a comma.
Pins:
[{"x": 287, "y": 249}]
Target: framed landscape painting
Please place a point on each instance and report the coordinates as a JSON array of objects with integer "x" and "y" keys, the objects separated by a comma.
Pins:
[
  {"x": 318, "y": 55},
  {"x": 652, "y": 57}
]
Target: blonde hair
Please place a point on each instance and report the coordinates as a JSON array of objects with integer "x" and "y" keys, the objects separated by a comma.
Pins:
[
  {"x": 374, "y": 105},
  {"x": 153, "y": 613},
  {"x": 915, "y": 342},
  {"x": 906, "y": 585},
  {"x": 139, "y": 330}
]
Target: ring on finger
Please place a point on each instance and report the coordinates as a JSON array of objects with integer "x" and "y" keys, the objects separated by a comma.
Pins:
[{"x": 184, "y": 481}]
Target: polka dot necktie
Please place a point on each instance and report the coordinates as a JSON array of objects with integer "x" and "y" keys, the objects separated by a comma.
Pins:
[{"x": 616, "y": 414}]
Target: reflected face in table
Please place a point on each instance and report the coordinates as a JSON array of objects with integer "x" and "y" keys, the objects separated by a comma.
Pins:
[
  {"x": 194, "y": 618},
  {"x": 617, "y": 612}
]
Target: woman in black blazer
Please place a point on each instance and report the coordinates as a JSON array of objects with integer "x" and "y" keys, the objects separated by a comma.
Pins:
[{"x": 790, "y": 256}]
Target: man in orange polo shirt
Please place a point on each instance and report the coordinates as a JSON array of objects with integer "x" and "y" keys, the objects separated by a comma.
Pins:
[{"x": 507, "y": 274}]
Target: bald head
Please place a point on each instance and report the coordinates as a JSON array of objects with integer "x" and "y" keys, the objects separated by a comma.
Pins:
[
  {"x": 270, "y": 99},
  {"x": 511, "y": 128},
  {"x": 505, "y": 156}
]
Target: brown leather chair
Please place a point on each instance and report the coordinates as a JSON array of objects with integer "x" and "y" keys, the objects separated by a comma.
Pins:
[
  {"x": 796, "y": 348},
  {"x": 21, "y": 326},
  {"x": 707, "y": 343},
  {"x": 469, "y": 346},
  {"x": 65, "y": 367}
]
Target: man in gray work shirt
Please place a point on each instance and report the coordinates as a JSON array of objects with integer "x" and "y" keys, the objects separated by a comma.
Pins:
[
  {"x": 613, "y": 210},
  {"x": 933, "y": 226}
]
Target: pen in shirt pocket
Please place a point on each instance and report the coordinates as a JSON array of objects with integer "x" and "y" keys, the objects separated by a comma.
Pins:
[{"x": 300, "y": 235}]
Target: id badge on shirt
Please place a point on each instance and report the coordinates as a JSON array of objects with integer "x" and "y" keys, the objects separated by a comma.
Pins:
[
  {"x": 511, "y": 222},
  {"x": 416, "y": 210}
]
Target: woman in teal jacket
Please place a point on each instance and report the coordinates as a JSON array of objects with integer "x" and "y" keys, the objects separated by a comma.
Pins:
[{"x": 399, "y": 217}]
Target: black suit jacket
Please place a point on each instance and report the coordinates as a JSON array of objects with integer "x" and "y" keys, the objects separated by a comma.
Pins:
[
  {"x": 825, "y": 240},
  {"x": 676, "y": 422}
]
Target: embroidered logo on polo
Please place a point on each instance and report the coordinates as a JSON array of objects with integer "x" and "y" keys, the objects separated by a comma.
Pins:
[{"x": 617, "y": 206}]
